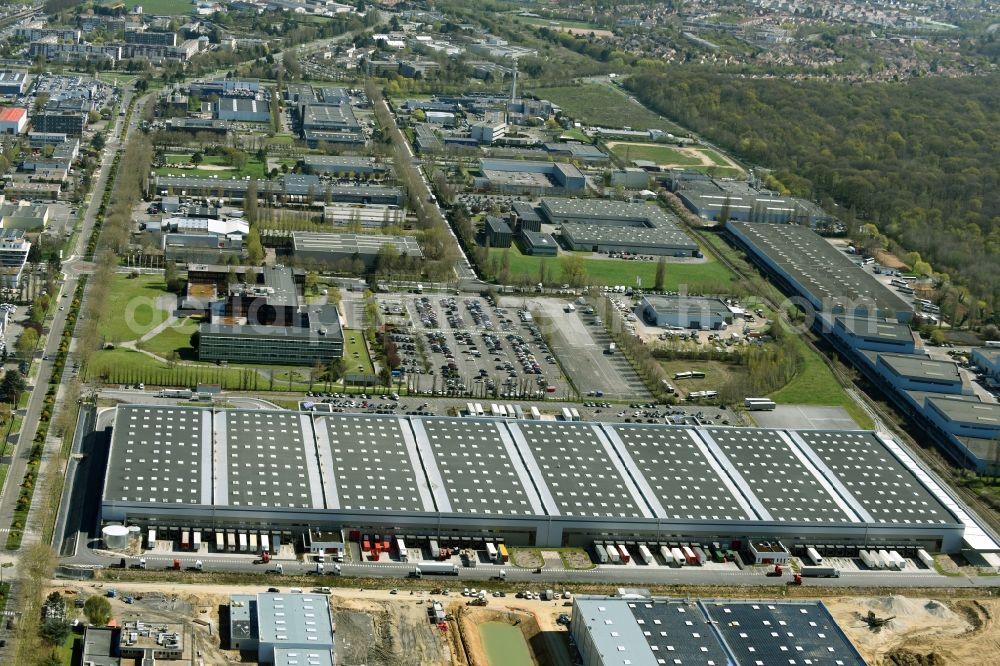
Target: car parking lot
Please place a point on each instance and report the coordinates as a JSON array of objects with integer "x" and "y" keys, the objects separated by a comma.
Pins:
[{"x": 465, "y": 345}]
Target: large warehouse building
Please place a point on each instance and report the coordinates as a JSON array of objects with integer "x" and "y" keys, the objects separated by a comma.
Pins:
[
  {"x": 600, "y": 225},
  {"x": 650, "y": 631},
  {"x": 331, "y": 248},
  {"x": 524, "y": 176},
  {"x": 825, "y": 277},
  {"x": 543, "y": 483}
]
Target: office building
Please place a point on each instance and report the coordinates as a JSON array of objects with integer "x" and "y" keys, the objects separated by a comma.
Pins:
[
  {"x": 12, "y": 83},
  {"x": 14, "y": 248},
  {"x": 537, "y": 244},
  {"x": 313, "y": 337},
  {"x": 333, "y": 248},
  {"x": 498, "y": 233},
  {"x": 243, "y": 110}
]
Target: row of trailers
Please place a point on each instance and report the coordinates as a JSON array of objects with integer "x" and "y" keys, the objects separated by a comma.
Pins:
[
  {"x": 373, "y": 546},
  {"x": 880, "y": 558},
  {"x": 671, "y": 554},
  {"x": 226, "y": 541},
  {"x": 500, "y": 411}
]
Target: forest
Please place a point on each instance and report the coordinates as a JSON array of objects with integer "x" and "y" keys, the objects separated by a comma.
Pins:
[{"x": 917, "y": 159}]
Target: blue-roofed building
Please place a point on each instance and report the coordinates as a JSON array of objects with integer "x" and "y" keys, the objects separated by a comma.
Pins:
[
  {"x": 987, "y": 359},
  {"x": 873, "y": 334}
]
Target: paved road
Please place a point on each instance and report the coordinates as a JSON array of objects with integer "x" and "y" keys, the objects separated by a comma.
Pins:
[{"x": 72, "y": 268}]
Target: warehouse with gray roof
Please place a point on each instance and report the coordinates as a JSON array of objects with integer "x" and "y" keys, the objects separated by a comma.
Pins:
[
  {"x": 648, "y": 631},
  {"x": 530, "y": 482},
  {"x": 823, "y": 276},
  {"x": 601, "y": 225},
  {"x": 330, "y": 248}
]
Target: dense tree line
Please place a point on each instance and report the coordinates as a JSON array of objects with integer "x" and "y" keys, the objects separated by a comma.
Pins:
[{"x": 917, "y": 159}]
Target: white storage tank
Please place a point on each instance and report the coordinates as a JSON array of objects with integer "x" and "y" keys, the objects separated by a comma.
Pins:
[{"x": 115, "y": 536}]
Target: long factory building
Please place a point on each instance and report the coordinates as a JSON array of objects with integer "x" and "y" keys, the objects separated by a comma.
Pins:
[{"x": 542, "y": 483}]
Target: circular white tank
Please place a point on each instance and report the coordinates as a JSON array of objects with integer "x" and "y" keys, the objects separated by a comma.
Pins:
[
  {"x": 115, "y": 536},
  {"x": 133, "y": 531}
]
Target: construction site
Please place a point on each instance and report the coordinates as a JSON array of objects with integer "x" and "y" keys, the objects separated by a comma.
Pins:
[{"x": 482, "y": 628}]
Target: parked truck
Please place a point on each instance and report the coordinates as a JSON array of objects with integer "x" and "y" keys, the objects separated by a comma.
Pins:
[
  {"x": 613, "y": 554},
  {"x": 610, "y": 351},
  {"x": 434, "y": 568},
  {"x": 645, "y": 555},
  {"x": 820, "y": 572},
  {"x": 678, "y": 556},
  {"x": 814, "y": 556},
  {"x": 667, "y": 556},
  {"x": 602, "y": 553}
]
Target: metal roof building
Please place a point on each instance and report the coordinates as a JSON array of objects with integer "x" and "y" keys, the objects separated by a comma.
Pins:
[
  {"x": 649, "y": 631},
  {"x": 335, "y": 247},
  {"x": 541, "y": 483},
  {"x": 283, "y": 628},
  {"x": 822, "y": 275}
]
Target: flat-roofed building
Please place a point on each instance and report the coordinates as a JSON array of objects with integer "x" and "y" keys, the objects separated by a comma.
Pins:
[
  {"x": 561, "y": 483},
  {"x": 342, "y": 164},
  {"x": 686, "y": 312},
  {"x": 663, "y": 241},
  {"x": 14, "y": 249},
  {"x": 537, "y": 244},
  {"x": 331, "y": 248},
  {"x": 12, "y": 82},
  {"x": 987, "y": 359},
  {"x": 498, "y": 232},
  {"x": 650, "y": 631},
  {"x": 524, "y": 176},
  {"x": 916, "y": 372},
  {"x": 804, "y": 262},
  {"x": 524, "y": 215},
  {"x": 243, "y": 110},
  {"x": 872, "y": 334},
  {"x": 314, "y": 337}
]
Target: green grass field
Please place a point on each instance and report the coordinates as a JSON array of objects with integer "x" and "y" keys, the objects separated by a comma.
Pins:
[
  {"x": 175, "y": 338},
  {"x": 599, "y": 104},
  {"x": 547, "y": 23},
  {"x": 354, "y": 343},
  {"x": 701, "y": 277},
  {"x": 716, "y": 158},
  {"x": 163, "y": 7},
  {"x": 575, "y": 135},
  {"x": 253, "y": 168},
  {"x": 657, "y": 154},
  {"x": 133, "y": 307}
]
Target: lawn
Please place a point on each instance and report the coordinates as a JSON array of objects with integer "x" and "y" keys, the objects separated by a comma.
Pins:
[
  {"x": 175, "y": 338},
  {"x": 134, "y": 306},
  {"x": 703, "y": 277},
  {"x": 657, "y": 154},
  {"x": 815, "y": 385},
  {"x": 354, "y": 343},
  {"x": 253, "y": 168},
  {"x": 163, "y": 7},
  {"x": 716, "y": 158},
  {"x": 575, "y": 135},
  {"x": 599, "y": 104},
  {"x": 547, "y": 23}
]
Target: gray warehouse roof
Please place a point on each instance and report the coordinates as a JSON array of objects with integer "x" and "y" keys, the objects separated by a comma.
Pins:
[
  {"x": 353, "y": 243},
  {"x": 373, "y": 464},
  {"x": 644, "y": 631},
  {"x": 883, "y": 486},
  {"x": 315, "y": 464},
  {"x": 687, "y": 305},
  {"x": 971, "y": 411},
  {"x": 831, "y": 277},
  {"x": 160, "y": 455},
  {"x": 788, "y": 487},
  {"x": 919, "y": 367},
  {"x": 294, "y": 619},
  {"x": 872, "y": 328},
  {"x": 634, "y": 237},
  {"x": 597, "y": 210}
]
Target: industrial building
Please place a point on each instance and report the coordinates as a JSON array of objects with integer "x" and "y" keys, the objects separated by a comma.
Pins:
[
  {"x": 488, "y": 132},
  {"x": 12, "y": 83},
  {"x": 824, "y": 277},
  {"x": 282, "y": 629},
  {"x": 987, "y": 359},
  {"x": 136, "y": 642},
  {"x": 686, "y": 311},
  {"x": 871, "y": 334},
  {"x": 13, "y": 120},
  {"x": 497, "y": 232},
  {"x": 302, "y": 188},
  {"x": 631, "y": 178},
  {"x": 650, "y": 631},
  {"x": 601, "y": 225},
  {"x": 368, "y": 217},
  {"x": 530, "y": 482},
  {"x": 243, "y": 110},
  {"x": 712, "y": 199},
  {"x": 342, "y": 164},
  {"x": 537, "y": 244},
  {"x": 523, "y": 176},
  {"x": 331, "y": 248},
  {"x": 584, "y": 152},
  {"x": 329, "y": 118},
  {"x": 23, "y": 215}
]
